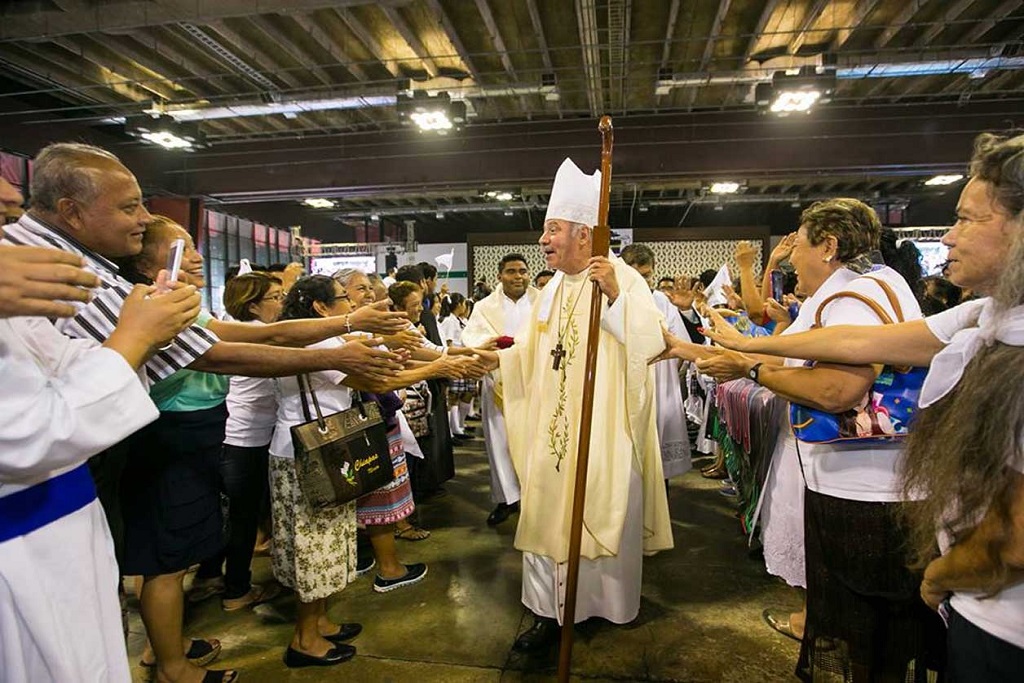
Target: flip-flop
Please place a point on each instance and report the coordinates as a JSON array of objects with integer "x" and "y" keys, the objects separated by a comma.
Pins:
[
  {"x": 781, "y": 625},
  {"x": 200, "y": 652},
  {"x": 412, "y": 533}
]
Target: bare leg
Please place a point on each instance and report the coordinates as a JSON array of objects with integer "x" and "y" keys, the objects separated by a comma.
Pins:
[
  {"x": 307, "y": 638},
  {"x": 384, "y": 551},
  {"x": 162, "y": 606}
]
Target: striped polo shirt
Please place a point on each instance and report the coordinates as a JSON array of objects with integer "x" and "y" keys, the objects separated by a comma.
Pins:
[{"x": 97, "y": 319}]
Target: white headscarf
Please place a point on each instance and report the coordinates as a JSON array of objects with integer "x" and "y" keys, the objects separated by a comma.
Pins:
[{"x": 948, "y": 365}]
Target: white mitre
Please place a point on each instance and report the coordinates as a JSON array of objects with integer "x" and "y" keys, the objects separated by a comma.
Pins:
[{"x": 575, "y": 195}]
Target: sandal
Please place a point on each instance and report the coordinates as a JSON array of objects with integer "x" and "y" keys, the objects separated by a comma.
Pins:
[
  {"x": 220, "y": 676},
  {"x": 200, "y": 652},
  {"x": 412, "y": 533},
  {"x": 781, "y": 625},
  {"x": 256, "y": 595}
]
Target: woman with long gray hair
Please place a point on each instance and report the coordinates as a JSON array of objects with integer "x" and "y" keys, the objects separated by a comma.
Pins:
[{"x": 965, "y": 452}]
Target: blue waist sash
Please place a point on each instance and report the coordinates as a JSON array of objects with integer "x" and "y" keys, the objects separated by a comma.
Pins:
[{"x": 23, "y": 512}]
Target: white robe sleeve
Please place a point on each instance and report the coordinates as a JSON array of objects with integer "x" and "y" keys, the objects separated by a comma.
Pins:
[{"x": 58, "y": 416}]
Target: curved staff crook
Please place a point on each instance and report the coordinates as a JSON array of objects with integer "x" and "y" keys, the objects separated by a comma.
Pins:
[{"x": 599, "y": 247}]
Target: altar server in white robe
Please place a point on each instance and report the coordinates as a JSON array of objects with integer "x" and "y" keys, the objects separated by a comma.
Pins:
[
  {"x": 63, "y": 401},
  {"x": 675, "y": 442},
  {"x": 501, "y": 314},
  {"x": 543, "y": 381}
]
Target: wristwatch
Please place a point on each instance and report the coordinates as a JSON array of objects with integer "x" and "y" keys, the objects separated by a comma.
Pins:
[{"x": 754, "y": 371}]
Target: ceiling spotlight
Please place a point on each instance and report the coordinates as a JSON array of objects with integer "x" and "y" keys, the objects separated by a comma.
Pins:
[
  {"x": 492, "y": 194},
  {"x": 944, "y": 179},
  {"x": 439, "y": 215},
  {"x": 431, "y": 120},
  {"x": 509, "y": 212},
  {"x": 725, "y": 187},
  {"x": 319, "y": 203},
  {"x": 643, "y": 208},
  {"x": 374, "y": 216},
  {"x": 796, "y": 91},
  {"x": 503, "y": 196},
  {"x": 165, "y": 131},
  {"x": 792, "y": 101}
]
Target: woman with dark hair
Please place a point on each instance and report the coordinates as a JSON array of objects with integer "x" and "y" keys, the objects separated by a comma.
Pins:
[
  {"x": 965, "y": 449},
  {"x": 314, "y": 550},
  {"x": 905, "y": 259},
  {"x": 830, "y": 509}
]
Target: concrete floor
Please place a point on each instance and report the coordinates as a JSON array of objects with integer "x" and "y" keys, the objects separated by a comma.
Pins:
[{"x": 699, "y": 620}]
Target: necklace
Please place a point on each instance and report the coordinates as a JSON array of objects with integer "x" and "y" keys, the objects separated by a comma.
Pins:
[{"x": 558, "y": 352}]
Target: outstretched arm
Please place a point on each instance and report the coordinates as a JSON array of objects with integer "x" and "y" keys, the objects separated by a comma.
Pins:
[{"x": 909, "y": 343}]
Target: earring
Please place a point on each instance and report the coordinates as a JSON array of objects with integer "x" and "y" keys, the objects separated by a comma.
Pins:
[{"x": 827, "y": 259}]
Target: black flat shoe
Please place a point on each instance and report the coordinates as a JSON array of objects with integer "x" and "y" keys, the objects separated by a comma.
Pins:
[
  {"x": 347, "y": 632},
  {"x": 499, "y": 514},
  {"x": 541, "y": 636},
  {"x": 294, "y": 659}
]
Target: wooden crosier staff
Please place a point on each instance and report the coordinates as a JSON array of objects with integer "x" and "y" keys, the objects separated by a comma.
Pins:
[{"x": 601, "y": 240}]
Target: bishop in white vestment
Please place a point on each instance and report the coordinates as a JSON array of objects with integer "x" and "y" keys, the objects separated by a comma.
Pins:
[
  {"x": 626, "y": 513},
  {"x": 501, "y": 314}
]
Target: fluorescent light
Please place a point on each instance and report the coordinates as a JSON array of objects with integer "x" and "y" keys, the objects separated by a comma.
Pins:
[
  {"x": 431, "y": 120},
  {"x": 508, "y": 212},
  {"x": 503, "y": 196},
  {"x": 319, "y": 203},
  {"x": 789, "y": 101},
  {"x": 944, "y": 179},
  {"x": 725, "y": 188},
  {"x": 167, "y": 140}
]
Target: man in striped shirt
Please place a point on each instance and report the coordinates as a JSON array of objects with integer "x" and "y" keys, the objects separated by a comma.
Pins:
[{"x": 84, "y": 201}]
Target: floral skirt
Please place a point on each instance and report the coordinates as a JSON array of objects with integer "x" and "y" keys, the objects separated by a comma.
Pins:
[
  {"x": 314, "y": 550},
  {"x": 392, "y": 502}
]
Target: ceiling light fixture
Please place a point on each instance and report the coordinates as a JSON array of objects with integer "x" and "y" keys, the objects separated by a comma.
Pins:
[
  {"x": 794, "y": 101},
  {"x": 944, "y": 179},
  {"x": 432, "y": 114},
  {"x": 319, "y": 203},
  {"x": 503, "y": 196},
  {"x": 725, "y": 187},
  {"x": 439, "y": 215},
  {"x": 432, "y": 120},
  {"x": 509, "y": 212},
  {"x": 166, "y": 132},
  {"x": 796, "y": 91}
]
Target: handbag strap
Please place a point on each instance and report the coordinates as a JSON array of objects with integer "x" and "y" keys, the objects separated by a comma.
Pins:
[
  {"x": 304, "y": 386},
  {"x": 890, "y": 295},
  {"x": 870, "y": 303}
]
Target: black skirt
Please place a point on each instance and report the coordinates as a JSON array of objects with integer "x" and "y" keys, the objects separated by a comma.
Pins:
[
  {"x": 865, "y": 618},
  {"x": 438, "y": 463},
  {"x": 170, "y": 492}
]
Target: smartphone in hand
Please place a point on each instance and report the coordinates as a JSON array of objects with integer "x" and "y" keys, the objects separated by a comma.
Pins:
[
  {"x": 174, "y": 257},
  {"x": 778, "y": 282}
]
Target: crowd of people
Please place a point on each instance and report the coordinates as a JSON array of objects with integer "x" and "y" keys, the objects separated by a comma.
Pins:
[{"x": 133, "y": 412}]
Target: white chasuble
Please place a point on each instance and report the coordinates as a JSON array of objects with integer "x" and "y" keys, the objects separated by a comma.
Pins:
[
  {"x": 542, "y": 412},
  {"x": 496, "y": 316}
]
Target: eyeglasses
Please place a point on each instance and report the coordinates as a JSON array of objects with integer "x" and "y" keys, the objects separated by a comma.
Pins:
[{"x": 274, "y": 297}]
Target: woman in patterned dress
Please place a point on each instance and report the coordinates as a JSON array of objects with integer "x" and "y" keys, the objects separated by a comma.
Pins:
[{"x": 315, "y": 550}]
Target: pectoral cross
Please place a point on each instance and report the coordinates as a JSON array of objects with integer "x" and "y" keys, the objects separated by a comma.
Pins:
[{"x": 557, "y": 353}]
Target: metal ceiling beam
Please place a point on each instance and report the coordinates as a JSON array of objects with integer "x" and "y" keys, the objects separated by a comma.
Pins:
[
  {"x": 367, "y": 39},
  {"x": 69, "y": 84},
  {"x": 137, "y": 14},
  {"x": 813, "y": 14},
  {"x": 586, "y": 22},
  {"x": 410, "y": 38},
  {"x": 709, "y": 46},
  {"x": 618, "y": 52},
  {"x": 191, "y": 79},
  {"x": 499, "y": 44},
  {"x": 175, "y": 45},
  {"x": 860, "y": 14},
  {"x": 670, "y": 32},
  {"x": 997, "y": 15},
  {"x": 762, "y": 24},
  {"x": 285, "y": 44},
  {"x": 949, "y": 16},
  {"x": 538, "y": 31},
  {"x": 254, "y": 51},
  {"x": 899, "y": 21},
  {"x": 329, "y": 45},
  {"x": 105, "y": 59},
  {"x": 97, "y": 77},
  {"x": 453, "y": 37}
]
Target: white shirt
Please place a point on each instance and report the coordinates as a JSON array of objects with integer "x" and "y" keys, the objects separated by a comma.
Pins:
[
  {"x": 451, "y": 330},
  {"x": 868, "y": 473},
  {"x": 252, "y": 410},
  {"x": 515, "y": 312},
  {"x": 330, "y": 394},
  {"x": 62, "y": 402},
  {"x": 1002, "y": 615}
]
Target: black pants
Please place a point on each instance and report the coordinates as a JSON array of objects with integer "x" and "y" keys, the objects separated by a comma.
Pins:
[
  {"x": 976, "y": 656},
  {"x": 106, "y": 468},
  {"x": 243, "y": 478}
]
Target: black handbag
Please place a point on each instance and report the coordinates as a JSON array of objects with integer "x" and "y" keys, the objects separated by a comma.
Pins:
[{"x": 342, "y": 456}]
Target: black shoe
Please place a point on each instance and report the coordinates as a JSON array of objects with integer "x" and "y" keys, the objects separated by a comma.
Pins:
[
  {"x": 469, "y": 430},
  {"x": 461, "y": 438},
  {"x": 364, "y": 563},
  {"x": 414, "y": 574},
  {"x": 294, "y": 659},
  {"x": 501, "y": 513},
  {"x": 347, "y": 632},
  {"x": 542, "y": 635}
]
